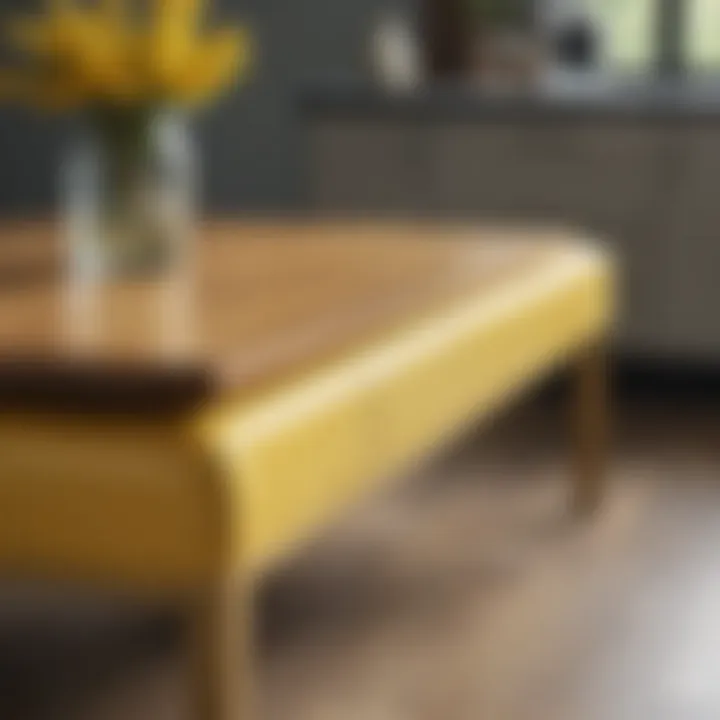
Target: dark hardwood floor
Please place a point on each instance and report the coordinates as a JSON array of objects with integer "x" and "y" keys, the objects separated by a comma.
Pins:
[{"x": 466, "y": 594}]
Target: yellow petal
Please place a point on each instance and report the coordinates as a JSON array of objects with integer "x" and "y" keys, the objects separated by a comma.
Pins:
[
  {"x": 95, "y": 54},
  {"x": 58, "y": 97},
  {"x": 114, "y": 10},
  {"x": 172, "y": 38},
  {"x": 13, "y": 86},
  {"x": 46, "y": 94},
  {"x": 215, "y": 63},
  {"x": 60, "y": 6}
]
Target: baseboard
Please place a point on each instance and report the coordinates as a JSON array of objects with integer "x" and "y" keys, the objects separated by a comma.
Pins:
[{"x": 662, "y": 378}]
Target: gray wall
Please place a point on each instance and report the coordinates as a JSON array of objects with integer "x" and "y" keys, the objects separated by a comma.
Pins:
[{"x": 252, "y": 143}]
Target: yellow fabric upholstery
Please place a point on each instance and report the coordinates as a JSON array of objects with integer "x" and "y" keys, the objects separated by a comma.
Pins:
[
  {"x": 304, "y": 452},
  {"x": 165, "y": 507}
]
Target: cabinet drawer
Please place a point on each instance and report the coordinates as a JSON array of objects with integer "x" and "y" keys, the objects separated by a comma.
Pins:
[
  {"x": 482, "y": 170},
  {"x": 367, "y": 167},
  {"x": 694, "y": 242},
  {"x": 625, "y": 166}
]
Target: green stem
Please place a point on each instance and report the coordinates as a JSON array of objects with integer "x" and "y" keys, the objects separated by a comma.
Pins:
[{"x": 124, "y": 136}]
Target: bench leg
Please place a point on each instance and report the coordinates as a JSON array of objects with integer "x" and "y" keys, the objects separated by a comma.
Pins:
[
  {"x": 221, "y": 646},
  {"x": 590, "y": 430}
]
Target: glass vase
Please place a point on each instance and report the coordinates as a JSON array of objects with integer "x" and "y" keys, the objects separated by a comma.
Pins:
[
  {"x": 129, "y": 198},
  {"x": 129, "y": 195}
]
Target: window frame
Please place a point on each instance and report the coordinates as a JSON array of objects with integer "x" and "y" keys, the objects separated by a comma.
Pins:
[
  {"x": 696, "y": 67},
  {"x": 671, "y": 57}
]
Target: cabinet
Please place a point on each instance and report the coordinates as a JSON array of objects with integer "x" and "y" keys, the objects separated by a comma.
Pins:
[
  {"x": 360, "y": 167},
  {"x": 642, "y": 185},
  {"x": 693, "y": 242},
  {"x": 620, "y": 194},
  {"x": 490, "y": 171}
]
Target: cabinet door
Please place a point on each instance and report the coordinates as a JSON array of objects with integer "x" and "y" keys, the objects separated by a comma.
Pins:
[
  {"x": 494, "y": 170},
  {"x": 367, "y": 167},
  {"x": 602, "y": 176},
  {"x": 694, "y": 232},
  {"x": 620, "y": 195}
]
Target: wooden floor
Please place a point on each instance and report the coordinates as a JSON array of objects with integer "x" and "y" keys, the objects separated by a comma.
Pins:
[{"x": 464, "y": 595}]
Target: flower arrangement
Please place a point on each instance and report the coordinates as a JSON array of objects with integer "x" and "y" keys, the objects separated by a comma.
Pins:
[
  {"x": 106, "y": 54},
  {"x": 133, "y": 69}
]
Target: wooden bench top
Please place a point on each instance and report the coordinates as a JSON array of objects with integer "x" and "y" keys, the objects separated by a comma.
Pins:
[{"x": 267, "y": 300}]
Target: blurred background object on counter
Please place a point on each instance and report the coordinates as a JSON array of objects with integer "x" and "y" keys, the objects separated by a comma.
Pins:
[{"x": 396, "y": 51}]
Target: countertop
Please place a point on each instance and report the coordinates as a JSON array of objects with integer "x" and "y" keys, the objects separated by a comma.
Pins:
[{"x": 590, "y": 95}]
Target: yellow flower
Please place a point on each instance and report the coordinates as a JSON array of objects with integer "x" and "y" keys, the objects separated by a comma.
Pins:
[
  {"x": 45, "y": 93},
  {"x": 212, "y": 64},
  {"x": 173, "y": 39},
  {"x": 103, "y": 55}
]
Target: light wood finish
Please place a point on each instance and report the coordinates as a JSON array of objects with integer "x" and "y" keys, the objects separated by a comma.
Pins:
[
  {"x": 266, "y": 301},
  {"x": 221, "y": 672},
  {"x": 590, "y": 423}
]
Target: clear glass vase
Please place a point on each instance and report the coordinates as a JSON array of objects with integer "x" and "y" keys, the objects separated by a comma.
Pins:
[
  {"x": 129, "y": 195},
  {"x": 129, "y": 198}
]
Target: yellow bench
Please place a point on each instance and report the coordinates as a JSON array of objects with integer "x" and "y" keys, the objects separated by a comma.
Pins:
[{"x": 307, "y": 363}]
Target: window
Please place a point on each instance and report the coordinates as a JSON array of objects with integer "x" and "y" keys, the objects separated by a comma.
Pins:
[
  {"x": 682, "y": 34},
  {"x": 701, "y": 40},
  {"x": 668, "y": 37},
  {"x": 627, "y": 31}
]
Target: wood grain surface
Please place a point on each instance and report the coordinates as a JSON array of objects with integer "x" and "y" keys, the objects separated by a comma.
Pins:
[{"x": 265, "y": 300}]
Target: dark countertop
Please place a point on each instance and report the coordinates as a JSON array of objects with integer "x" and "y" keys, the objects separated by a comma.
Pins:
[{"x": 587, "y": 96}]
